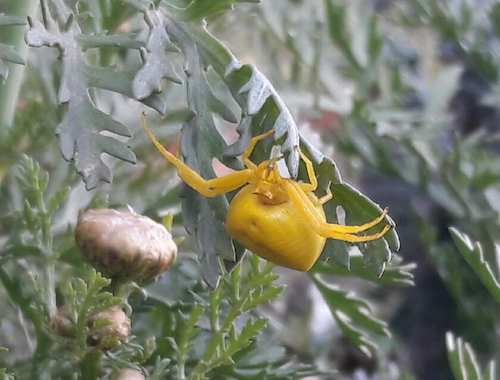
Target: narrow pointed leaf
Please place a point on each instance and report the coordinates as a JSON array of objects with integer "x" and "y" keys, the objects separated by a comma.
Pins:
[
  {"x": 353, "y": 315},
  {"x": 473, "y": 254}
]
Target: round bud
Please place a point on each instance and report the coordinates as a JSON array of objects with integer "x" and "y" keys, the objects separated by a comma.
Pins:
[
  {"x": 119, "y": 327},
  {"x": 130, "y": 374},
  {"x": 124, "y": 245},
  {"x": 63, "y": 322}
]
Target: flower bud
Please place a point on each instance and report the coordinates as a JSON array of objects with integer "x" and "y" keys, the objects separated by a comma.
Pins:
[
  {"x": 119, "y": 328},
  {"x": 62, "y": 322},
  {"x": 124, "y": 245},
  {"x": 130, "y": 374}
]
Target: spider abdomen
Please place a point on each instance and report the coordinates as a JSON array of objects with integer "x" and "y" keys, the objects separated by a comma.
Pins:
[{"x": 275, "y": 232}]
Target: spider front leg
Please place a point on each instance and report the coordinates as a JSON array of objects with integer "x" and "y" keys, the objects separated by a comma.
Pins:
[
  {"x": 307, "y": 210},
  {"x": 313, "y": 182},
  {"x": 207, "y": 188},
  {"x": 251, "y": 146}
]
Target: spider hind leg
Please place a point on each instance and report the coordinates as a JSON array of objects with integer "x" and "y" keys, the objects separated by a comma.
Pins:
[{"x": 307, "y": 210}]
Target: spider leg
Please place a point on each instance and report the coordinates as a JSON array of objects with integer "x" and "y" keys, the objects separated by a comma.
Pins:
[
  {"x": 207, "y": 188},
  {"x": 325, "y": 198},
  {"x": 251, "y": 146},
  {"x": 331, "y": 230},
  {"x": 313, "y": 185}
]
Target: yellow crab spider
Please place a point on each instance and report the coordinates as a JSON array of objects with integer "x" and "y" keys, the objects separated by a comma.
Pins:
[{"x": 277, "y": 218}]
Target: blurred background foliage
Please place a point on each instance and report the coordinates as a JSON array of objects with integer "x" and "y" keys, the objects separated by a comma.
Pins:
[{"x": 400, "y": 97}]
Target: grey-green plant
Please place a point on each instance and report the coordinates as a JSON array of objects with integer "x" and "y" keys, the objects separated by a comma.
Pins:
[
  {"x": 77, "y": 55},
  {"x": 91, "y": 67}
]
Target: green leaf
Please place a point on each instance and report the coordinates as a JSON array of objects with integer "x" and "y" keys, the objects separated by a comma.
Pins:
[
  {"x": 109, "y": 78},
  {"x": 4, "y": 375},
  {"x": 495, "y": 19},
  {"x": 261, "y": 106},
  {"x": 81, "y": 130},
  {"x": 237, "y": 342},
  {"x": 7, "y": 52},
  {"x": 336, "y": 16},
  {"x": 10, "y": 20},
  {"x": 30, "y": 216},
  {"x": 87, "y": 298},
  {"x": 375, "y": 41},
  {"x": 211, "y": 237},
  {"x": 4, "y": 71},
  {"x": 56, "y": 200},
  {"x": 81, "y": 141},
  {"x": 464, "y": 362},
  {"x": 241, "y": 294},
  {"x": 352, "y": 315},
  {"x": 156, "y": 64},
  {"x": 160, "y": 369},
  {"x": 103, "y": 39},
  {"x": 360, "y": 209},
  {"x": 200, "y": 9},
  {"x": 473, "y": 254},
  {"x": 254, "y": 363},
  {"x": 395, "y": 274},
  {"x": 200, "y": 142},
  {"x": 188, "y": 328}
]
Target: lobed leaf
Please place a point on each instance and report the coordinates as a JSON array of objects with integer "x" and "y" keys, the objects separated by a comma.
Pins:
[
  {"x": 109, "y": 78},
  {"x": 56, "y": 200},
  {"x": 199, "y": 144},
  {"x": 464, "y": 362},
  {"x": 352, "y": 315},
  {"x": 187, "y": 330},
  {"x": 81, "y": 141},
  {"x": 394, "y": 274},
  {"x": 7, "y": 52},
  {"x": 10, "y": 20},
  {"x": 261, "y": 106},
  {"x": 81, "y": 130},
  {"x": 253, "y": 363},
  {"x": 156, "y": 64},
  {"x": 237, "y": 342},
  {"x": 160, "y": 369},
  {"x": 233, "y": 298},
  {"x": 200, "y": 9},
  {"x": 103, "y": 39},
  {"x": 359, "y": 209}
]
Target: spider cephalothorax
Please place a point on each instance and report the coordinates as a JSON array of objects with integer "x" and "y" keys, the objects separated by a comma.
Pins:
[{"x": 277, "y": 218}]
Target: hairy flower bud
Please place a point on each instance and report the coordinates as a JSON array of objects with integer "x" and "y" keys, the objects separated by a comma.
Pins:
[
  {"x": 119, "y": 328},
  {"x": 130, "y": 374},
  {"x": 124, "y": 245}
]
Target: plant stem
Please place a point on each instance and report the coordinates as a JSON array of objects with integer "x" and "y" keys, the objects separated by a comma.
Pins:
[
  {"x": 43, "y": 341},
  {"x": 208, "y": 362},
  {"x": 17, "y": 297},
  {"x": 91, "y": 365},
  {"x": 49, "y": 291},
  {"x": 9, "y": 92}
]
